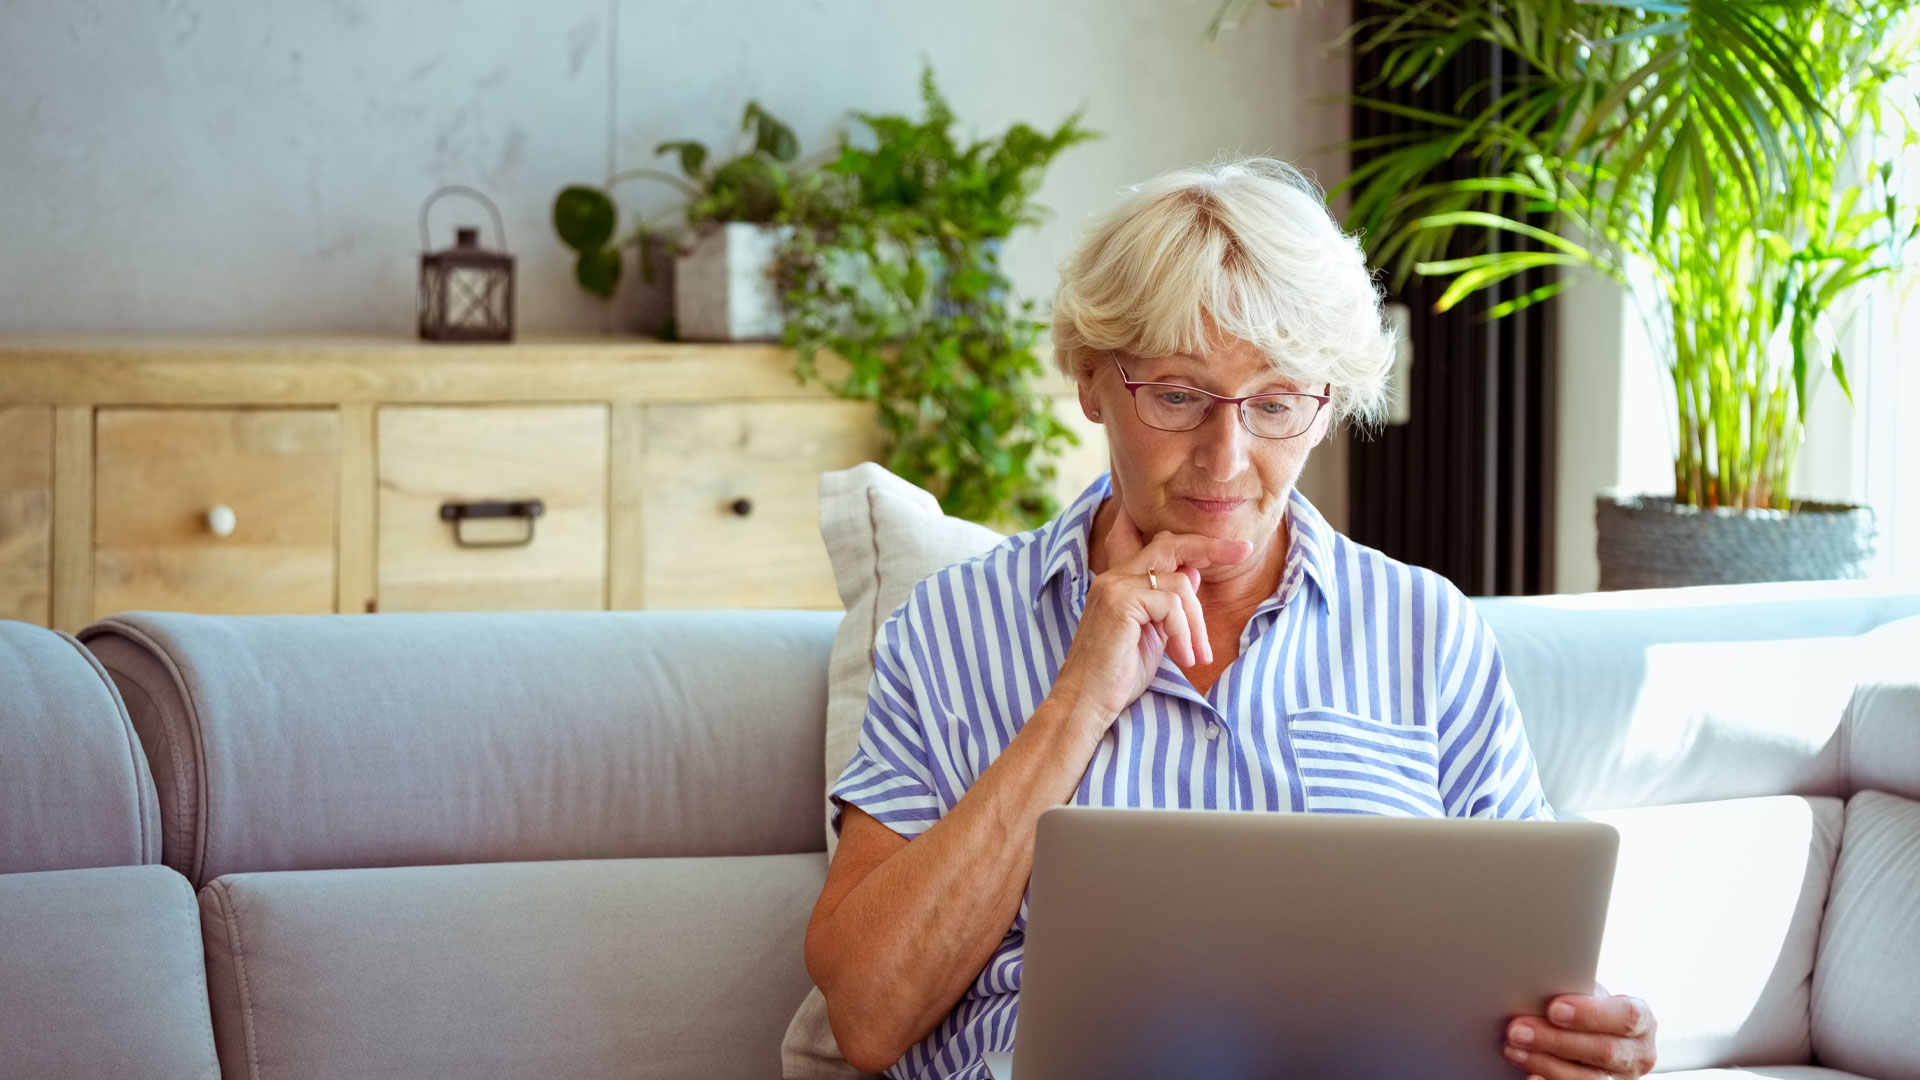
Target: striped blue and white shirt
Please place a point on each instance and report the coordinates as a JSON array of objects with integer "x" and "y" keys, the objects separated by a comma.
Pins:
[{"x": 1363, "y": 685}]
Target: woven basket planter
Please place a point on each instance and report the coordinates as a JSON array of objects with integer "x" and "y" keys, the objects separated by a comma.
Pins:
[{"x": 1650, "y": 542}]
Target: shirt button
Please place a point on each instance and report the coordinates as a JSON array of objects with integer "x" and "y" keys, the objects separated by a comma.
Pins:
[{"x": 1213, "y": 730}]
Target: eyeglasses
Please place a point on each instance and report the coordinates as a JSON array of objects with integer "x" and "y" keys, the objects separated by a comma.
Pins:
[{"x": 1173, "y": 407}]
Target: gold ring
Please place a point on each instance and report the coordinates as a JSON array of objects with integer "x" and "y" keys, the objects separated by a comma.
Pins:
[{"x": 1152, "y": 582}]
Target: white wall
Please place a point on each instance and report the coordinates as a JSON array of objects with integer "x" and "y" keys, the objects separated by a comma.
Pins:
[
  {"x": 257, "y": 166},
  {"x": 1613, "y": 424}
]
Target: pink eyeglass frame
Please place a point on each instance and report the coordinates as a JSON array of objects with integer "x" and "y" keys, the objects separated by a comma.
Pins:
[{"x": 1133, "y": 391}]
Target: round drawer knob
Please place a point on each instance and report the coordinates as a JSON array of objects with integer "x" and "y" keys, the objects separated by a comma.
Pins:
[
  {"x": 220, "y": 520},
  {"x": 743, "y": 506}
]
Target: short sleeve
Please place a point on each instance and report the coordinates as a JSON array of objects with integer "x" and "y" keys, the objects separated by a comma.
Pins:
[
  {"x": 891, "y": 775},
  {"x": 1486, "y": 764}
]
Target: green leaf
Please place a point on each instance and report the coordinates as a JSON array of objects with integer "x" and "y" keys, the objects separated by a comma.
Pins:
[
  {"x": 771, "y": 137},
  {"x": 1664, "y": 7},
  {"x": 1521, "y": 303},
  {"x": 916, "y": 281},
  {"x": 1667, "y": 183},
  {"x": 1507, "y": 265},
  {"x": 1505, "y": 224},
  {"x": 693, "y": 155},
  {"x": 1840, "y": 375},
  {"x": 598, "y": 271},
  {"x": 584, "y": 217}
]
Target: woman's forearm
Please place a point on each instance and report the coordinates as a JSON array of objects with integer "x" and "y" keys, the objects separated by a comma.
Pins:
[{"x": 905, "y": 943}]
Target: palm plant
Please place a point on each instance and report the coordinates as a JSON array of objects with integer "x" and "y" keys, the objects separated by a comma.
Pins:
[{"x": 1724, "y": 145}]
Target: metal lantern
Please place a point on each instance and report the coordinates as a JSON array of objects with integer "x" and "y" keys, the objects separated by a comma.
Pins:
[{"x": 466, "y": 291}]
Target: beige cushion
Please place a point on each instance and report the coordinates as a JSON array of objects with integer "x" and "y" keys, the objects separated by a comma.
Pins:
[
  {"x": 884, "y": 536},
  {"x": 1714, "y": 921},
  {"x": 810, "y": 1052},
  {"x": 599, "y": 969},
  {"x": 1864, "y": 992}
]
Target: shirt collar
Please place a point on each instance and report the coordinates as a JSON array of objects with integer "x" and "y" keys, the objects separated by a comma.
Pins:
[
  {"x": 1067, "y": 540},
  {"x": 1067, "y": 537}
]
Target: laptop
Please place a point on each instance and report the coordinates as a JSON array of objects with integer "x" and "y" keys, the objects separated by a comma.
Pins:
[{"x": 1229, "y": 944}]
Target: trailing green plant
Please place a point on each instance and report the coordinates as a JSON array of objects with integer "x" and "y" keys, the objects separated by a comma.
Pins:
[
  {"x": 894, "y": 267},
  {"x": 1726, "y": 146},
  {"x": 755, "y": 185}
]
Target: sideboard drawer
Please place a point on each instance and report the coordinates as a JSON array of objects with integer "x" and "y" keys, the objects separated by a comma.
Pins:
[
  {"x": 731, "y": 511},
  {"x": 431, "y": 457},
  {"x": 26, "y": 513},
  {"x": 217, "y": 511}
]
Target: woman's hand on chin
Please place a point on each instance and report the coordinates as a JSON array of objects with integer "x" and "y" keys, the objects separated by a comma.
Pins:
[{"x": 1129, "y": 624}]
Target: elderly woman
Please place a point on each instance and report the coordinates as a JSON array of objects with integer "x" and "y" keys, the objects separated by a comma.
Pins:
[{"x": 1190, "y": 632}]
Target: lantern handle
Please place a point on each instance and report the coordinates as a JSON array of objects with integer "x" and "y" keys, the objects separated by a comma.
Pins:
[{"x": 499, "y": 228}]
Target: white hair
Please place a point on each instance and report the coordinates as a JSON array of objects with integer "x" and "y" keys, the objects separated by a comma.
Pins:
[{"x": 1247, "y": 243}]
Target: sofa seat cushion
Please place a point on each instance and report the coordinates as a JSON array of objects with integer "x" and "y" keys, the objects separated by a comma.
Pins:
[
  {"x": 101, "y": 976},
  {"x": 658, "y": 968},
  {"x": 1866, "y": 991},
  {"x": 1714, "y": 922}
]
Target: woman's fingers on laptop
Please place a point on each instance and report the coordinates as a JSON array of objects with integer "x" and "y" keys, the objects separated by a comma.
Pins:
[
  {"x": 1615, "y": 1014},
  {"x": 1585, "y": 1038}
]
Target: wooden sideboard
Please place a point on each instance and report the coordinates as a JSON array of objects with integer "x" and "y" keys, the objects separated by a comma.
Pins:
[{"x": 277, "y": 475}]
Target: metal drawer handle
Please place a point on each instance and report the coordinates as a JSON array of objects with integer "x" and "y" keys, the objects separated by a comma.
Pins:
[
  {"x": 742, "y": 506},
  {"x": 457, "y": 512}
]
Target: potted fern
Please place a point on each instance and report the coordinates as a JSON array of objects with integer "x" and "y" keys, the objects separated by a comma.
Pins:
[
  {"x": 894, "y": 266},
  {"x": 1726, "y": 148}
]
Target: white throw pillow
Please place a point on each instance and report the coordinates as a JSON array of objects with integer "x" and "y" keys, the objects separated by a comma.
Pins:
[{"x": 884, "y": 536}]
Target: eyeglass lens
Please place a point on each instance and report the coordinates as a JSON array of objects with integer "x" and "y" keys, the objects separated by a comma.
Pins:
[{"x": 1170, "y": 407}]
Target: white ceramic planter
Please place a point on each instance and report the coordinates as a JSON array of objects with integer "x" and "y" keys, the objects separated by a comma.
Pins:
[{"x": 723, "y": 289}]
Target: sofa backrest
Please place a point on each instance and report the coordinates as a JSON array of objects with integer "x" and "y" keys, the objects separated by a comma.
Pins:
[
  {"x": 293, "y": 742},
  {"x": 74, "y": 787},
  {"x": 1674, "y": 696}
]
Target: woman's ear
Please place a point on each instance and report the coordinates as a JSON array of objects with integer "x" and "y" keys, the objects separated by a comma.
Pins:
[
  {"x": 1322, "y": 424},
  {"x": 1089, "y": 401}
]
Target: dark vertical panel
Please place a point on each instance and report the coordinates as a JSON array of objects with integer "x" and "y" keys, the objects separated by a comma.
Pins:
[{"x": 1465, "y": 486}]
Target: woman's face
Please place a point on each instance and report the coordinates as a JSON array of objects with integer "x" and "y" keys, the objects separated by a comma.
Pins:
[{"x": 1218, "y": 479}]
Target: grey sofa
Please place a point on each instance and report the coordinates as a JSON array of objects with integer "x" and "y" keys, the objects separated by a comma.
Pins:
[{"x": 586, "y": 844}]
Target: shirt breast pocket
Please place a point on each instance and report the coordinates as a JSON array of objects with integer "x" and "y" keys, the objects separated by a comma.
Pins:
[{"x": 1356, "y": 765}]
